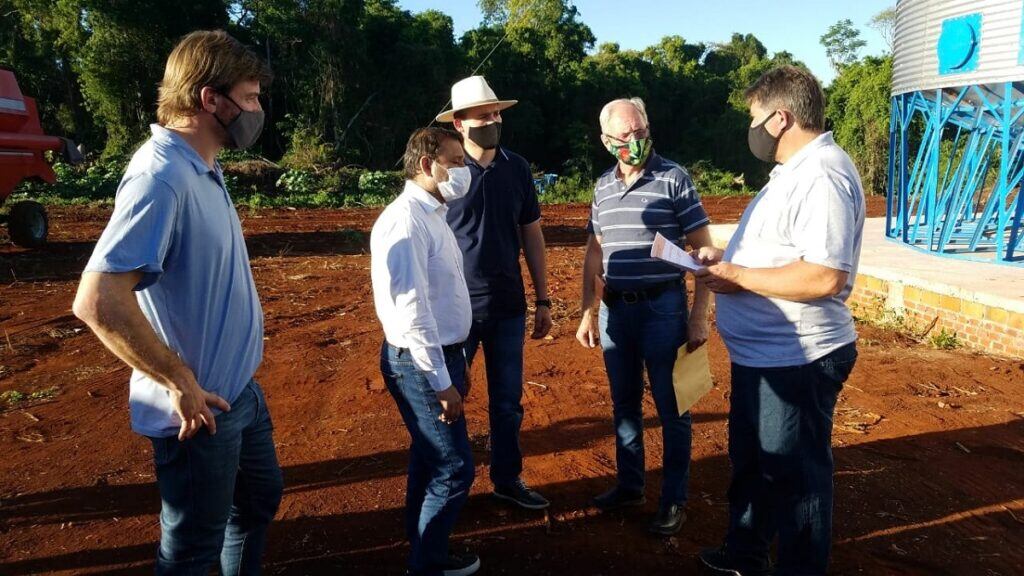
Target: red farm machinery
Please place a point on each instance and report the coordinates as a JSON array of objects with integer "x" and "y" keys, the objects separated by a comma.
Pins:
[{"x": 22, "y": 148}]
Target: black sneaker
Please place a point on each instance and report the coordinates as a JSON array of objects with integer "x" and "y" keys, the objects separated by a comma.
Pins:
[
  {"x": 461, "y": 564},
  {"x": 520, "y": 494},
  {"x": 617, "y": 498},
  {"x": 719, "y": 561},
  {"x": 668, "y": 520}
]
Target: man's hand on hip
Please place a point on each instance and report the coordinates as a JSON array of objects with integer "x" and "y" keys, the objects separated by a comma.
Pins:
[{"x": 192, "y": 404}]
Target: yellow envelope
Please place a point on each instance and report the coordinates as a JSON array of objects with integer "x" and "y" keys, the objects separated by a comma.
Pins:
[{"x": 691, "y": 376}]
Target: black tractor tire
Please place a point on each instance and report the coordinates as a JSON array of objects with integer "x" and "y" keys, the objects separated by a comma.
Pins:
[{"x": 27, "y": 224}]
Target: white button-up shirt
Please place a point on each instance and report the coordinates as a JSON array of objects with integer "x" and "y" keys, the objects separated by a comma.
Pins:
[{"x": 419, "y": 289}]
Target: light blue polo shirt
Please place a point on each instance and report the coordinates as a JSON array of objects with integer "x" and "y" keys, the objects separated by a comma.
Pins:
[{"x": 174, "y": 221}]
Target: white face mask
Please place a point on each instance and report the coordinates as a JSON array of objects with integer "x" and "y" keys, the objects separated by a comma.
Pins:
[{"x": 457, "y": 184}]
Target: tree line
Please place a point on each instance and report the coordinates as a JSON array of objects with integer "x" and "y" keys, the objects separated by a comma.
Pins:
[{"x": 354, "y": 77}]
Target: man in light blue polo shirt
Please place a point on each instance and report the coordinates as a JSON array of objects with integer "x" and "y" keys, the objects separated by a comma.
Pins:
[
  {"x": 643, "y": 319},
  {"x": 169, "y": 290},
  {"x": 781, "y": 287}
]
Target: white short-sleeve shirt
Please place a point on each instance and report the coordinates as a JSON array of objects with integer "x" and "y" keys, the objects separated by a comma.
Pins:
[{"x": 812, "y": 209}]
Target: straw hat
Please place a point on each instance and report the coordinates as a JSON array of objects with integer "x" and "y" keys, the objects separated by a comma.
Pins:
[{"x": 470, "y": 92}]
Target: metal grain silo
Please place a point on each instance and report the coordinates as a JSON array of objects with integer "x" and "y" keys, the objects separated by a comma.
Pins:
[{"x": 956, "y": 157}]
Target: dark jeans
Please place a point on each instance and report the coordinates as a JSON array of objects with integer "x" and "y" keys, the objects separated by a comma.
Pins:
[
  {"x": 780, "y": 446},
  {"x": 218, "y": 492},
  {"x": 647, "y": 334},
  {"x": 502, "y": 341},
  {"x": 440, "y": 459}
]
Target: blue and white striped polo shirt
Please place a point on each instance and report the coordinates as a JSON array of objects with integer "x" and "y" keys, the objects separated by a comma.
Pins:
[{"x": 662, "y": 199}]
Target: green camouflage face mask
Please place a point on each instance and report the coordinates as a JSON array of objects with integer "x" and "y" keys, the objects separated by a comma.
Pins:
[{"x": 634, "y": 153}]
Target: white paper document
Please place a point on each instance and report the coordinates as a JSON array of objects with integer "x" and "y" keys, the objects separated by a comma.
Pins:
[{"x": 668, "y": 251}]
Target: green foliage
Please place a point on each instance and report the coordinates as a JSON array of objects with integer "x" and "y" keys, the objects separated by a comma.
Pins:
[
  {"x": 879, "y": 315},
  {"x": 858, "y": 108},
  {"x": 885, "y": 24},
  {"x": 91, "y": 182},
  {"x": 353, "y": 78},
  {"x": 12, "y": 397},
  {"x": 380, "y": 185},
  {"x": 324, "y": 188},
  {"x": 711, "y": 181},
  {"x": 15, "y": 397},
  {"x": 307, "y": 149},
  {"x": 300, "y": 182},
  {"x": 570, "y": 189},
  {"x": 842, "y": 42},
  {"x": 945, "y": 340}
]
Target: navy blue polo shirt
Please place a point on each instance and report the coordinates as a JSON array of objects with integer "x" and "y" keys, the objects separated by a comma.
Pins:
[
  {"x": 627, "y": 218},
  {"x": 486, "y": 223}
]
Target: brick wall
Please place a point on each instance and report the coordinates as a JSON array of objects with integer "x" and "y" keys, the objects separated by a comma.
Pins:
[{"x": 986, "y": 328}]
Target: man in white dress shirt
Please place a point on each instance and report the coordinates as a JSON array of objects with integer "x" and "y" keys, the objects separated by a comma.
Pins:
[{"x": 421, "y": 298}]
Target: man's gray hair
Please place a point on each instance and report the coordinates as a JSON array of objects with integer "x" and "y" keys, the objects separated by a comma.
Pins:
[{"x": 606, "y": 112}]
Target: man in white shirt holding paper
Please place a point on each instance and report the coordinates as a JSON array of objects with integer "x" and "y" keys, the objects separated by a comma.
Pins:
[
  {"x": 781, "y": 288},
  {"x": 420, "y": 294}
]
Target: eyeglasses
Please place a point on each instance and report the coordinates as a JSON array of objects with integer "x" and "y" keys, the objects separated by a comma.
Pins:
[{"x": 636, "y": 135}]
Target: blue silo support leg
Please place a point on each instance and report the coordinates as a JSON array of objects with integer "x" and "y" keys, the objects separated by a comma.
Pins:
[
  {"x": 932, "y": 186},
  {"x": 890, "y": 188},
  {"x": 943, "y": 188},
  {"x": 918, "y": 182},
  {"x": 961, "y": 211},
  {"x": 1015, "y": 231},
  {"x": 975, "y": 185},
  {"x": 904, "y": 126},
  {"x": 962, "y": 167}
]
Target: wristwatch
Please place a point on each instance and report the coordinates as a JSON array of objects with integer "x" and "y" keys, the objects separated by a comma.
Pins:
[{"x": 545, "y": 303}]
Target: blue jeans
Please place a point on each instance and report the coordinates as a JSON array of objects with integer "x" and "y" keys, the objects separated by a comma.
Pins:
[
  {"x": 647, "y": 334},
  {"x": 440, "y": 459},
  {"x": 219, "y": 493},
  {"x": 780, "y": 446},
  {"x": 502, "y": 341}
]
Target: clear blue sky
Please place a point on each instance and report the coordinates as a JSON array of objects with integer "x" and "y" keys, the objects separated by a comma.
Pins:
[{"x": 791, "y": 25}]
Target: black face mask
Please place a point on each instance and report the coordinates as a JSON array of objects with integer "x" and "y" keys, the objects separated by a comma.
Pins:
[
  {"x": 762, "y": 144},
  {"x": 243, "y": 130},
  {"x": 486, "y": 137}
]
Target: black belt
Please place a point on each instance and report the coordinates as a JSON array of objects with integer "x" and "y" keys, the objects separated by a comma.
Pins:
[
  {"x": 449, "y": 349},
  {"x": 633, "y": 296}
]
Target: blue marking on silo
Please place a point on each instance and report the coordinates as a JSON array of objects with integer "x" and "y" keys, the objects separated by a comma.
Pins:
[
  {"x": 959, "y": 44},
  {"x": 1020, "y": 57}
]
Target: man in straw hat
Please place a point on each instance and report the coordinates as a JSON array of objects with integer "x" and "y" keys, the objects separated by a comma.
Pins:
[{"x": 499, "y": 217}]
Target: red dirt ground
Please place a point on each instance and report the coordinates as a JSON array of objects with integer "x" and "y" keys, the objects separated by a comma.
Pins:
[{"x": 929, "y": 444}]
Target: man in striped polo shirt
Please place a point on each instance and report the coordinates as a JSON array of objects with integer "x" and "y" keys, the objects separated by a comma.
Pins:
[{"x": 643, "y": 319}]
